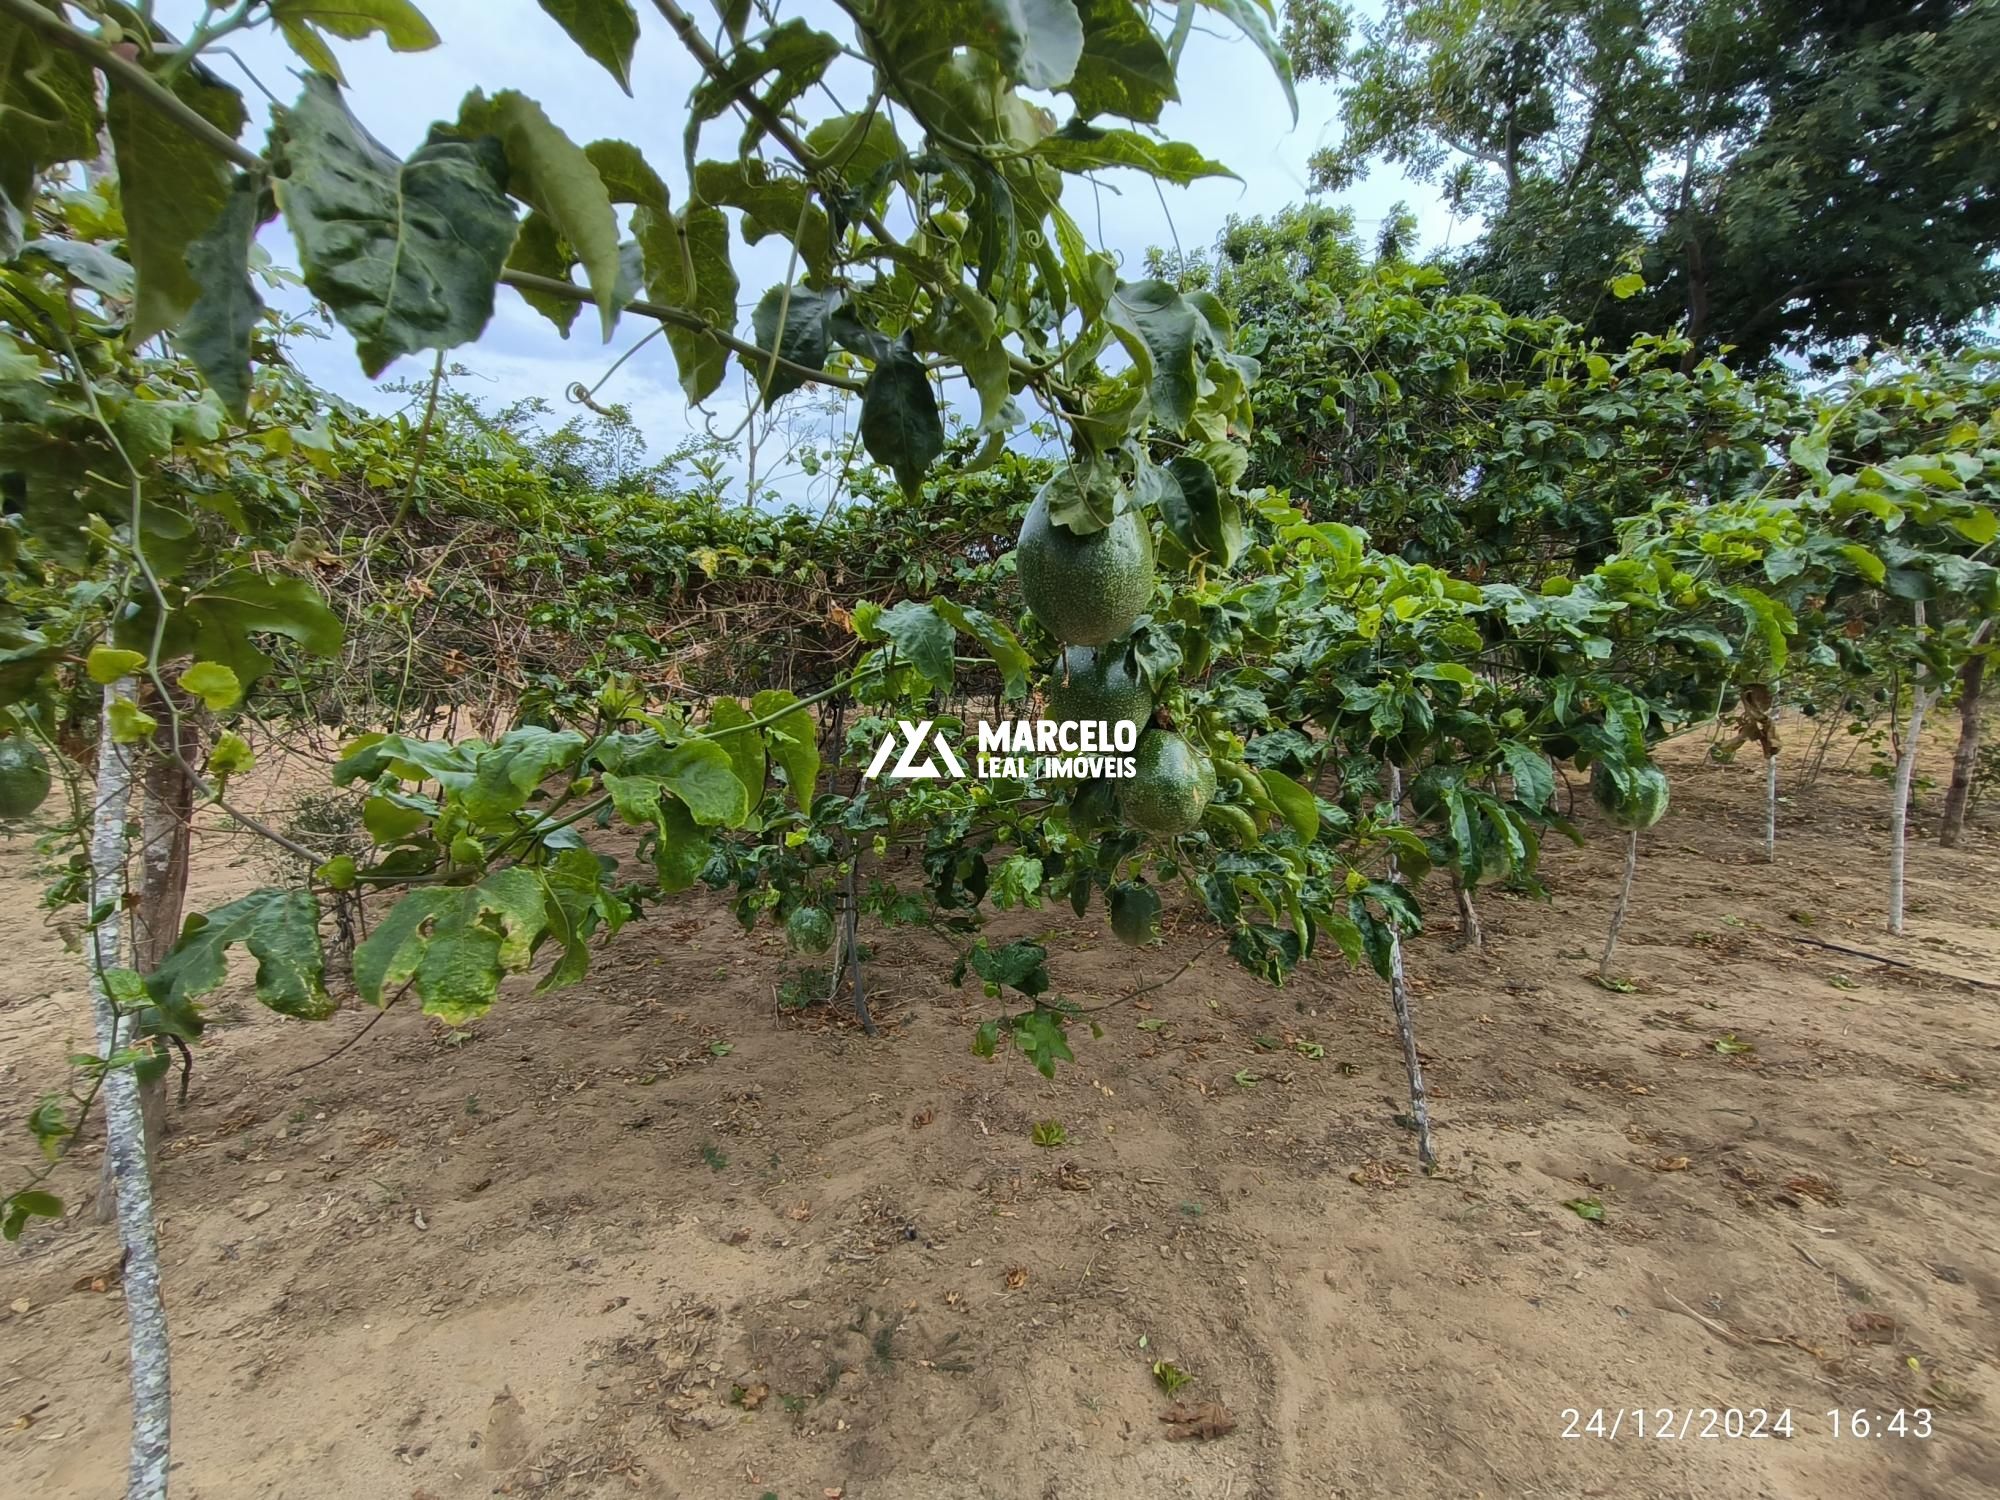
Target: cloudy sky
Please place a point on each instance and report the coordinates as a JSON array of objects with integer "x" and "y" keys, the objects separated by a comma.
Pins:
[{"x": 1231, "y": 108}]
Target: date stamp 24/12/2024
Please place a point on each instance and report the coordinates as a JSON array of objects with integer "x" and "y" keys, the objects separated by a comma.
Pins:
[{"x": 1710, "y": 1423}]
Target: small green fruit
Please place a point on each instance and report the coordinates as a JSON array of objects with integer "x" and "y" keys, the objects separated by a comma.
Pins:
[
  {"x": 1085, "y": 590},
  {"x": 809, "y": 930},
  {"x": 24, "y": 777},
  {"x": 1638, "y": 803},
  {"x": 1099, "y": 685},
  {"x": 1172, "y": 787}
]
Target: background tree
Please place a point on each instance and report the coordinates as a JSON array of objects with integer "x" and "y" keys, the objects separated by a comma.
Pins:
[{"x": 1784, "y": 174}]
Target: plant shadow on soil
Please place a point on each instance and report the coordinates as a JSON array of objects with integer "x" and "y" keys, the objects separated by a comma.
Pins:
[{"x": 583, "y": 1250}]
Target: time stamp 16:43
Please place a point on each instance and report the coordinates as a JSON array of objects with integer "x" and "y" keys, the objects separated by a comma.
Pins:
[{"x": 1698, "y": 1423}]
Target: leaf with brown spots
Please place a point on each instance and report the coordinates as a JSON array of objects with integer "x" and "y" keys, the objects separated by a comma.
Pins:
[{"x": 1198, "y": 1424}]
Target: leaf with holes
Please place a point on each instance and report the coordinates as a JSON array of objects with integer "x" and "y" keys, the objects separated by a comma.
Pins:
[
  {"x": 453, "y": 945},
  {"x": 281, "y": 930}
]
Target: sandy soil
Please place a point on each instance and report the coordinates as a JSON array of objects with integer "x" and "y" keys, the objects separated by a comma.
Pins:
[{"x": 648, "y": 1237}]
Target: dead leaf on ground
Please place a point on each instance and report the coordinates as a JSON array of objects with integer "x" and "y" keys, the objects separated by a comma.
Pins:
[
  {"x": 1813, "y": 1187},
  {"x": 1671, "y": 1164},
  {"x": 1872, "y": 1328},
  {"x": 1199, "y": 1424},
  {"x": 1017, "y": 1277}
]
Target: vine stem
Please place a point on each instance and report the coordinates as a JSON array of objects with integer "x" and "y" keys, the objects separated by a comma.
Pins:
[
  {"x": 1399, "y": 1002},
  {"x": 124, "y": 1123},
  {"x": 1624, "y": 901}
]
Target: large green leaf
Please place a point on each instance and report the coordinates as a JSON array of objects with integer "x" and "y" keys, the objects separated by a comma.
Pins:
[
  {"x": 772, "y": 203},
  {"x": 626, "y": 174},
  {"x": 406, "y": 254},
  {"x": 792, "y": 54},
  {"x": 1083, "y": 149},
  {"x": 540, "y": 251},
  {"x": 900, "y": 424},
  {"x": 450, "y": 766},
  {"x": 217, "y": 622},
  {"x": 1295, "y": 804},
  {"x": 688, "y": 266},
  {"x": 174, "y": 189},
  {"x": 1001, "y": 643},
  {"x": 1534, "y": 777},
  {"x": 506, "y": 776},
  {"x": 745, "y": 748},
  {"x": 606, "y": 30},
  {"x": 1124, "y": 69},
  {"x": 1037, "y": 42},
  {"x": 551, "y": 172},
  {"x": 1159, "y": 329},
  {"x": 793, "y": 742},
  {"x": 923, "y": 637},
  {"x": 860, "y": 148},
  {"x": 216, "y": 332},
  {"x": 573, "y": 892},
  {"x": 281, "y": 930},
  {"x": 702, "y": 775},
  {"x": 399, "y": 22},
  {"x": 88, "y": 264},
  {"x": 452, "y": 945},
  {"x": 682, "y": 847},
  {"x": 805, "y": 339},
  {"x": 1201, "y": 516},
  {"x": 48, "y": 114}
]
